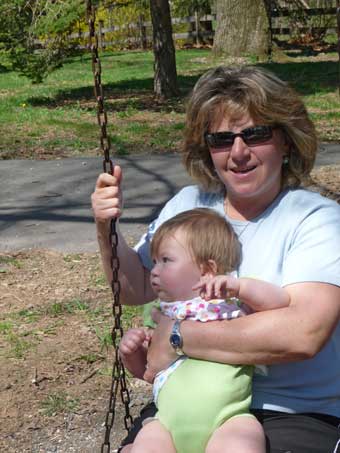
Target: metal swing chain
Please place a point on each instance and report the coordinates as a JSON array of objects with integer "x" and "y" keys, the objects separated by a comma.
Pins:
[{"x": 118, "y": 371}]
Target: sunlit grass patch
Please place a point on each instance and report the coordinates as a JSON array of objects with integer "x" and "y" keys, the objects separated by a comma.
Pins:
[
  {"x": 18, "y": 345},
  {"x": 27, "y": 315},
  {"x": 104, "y": 337},
  {"x": 58, "y": 402},
  {"x": 58, "y": 118},
  {"x": 10, "y": 260},
  {"x": 67, "y": 307},
  {"x": 5, "y": 327},
  {"x": 90, "y": 358}
]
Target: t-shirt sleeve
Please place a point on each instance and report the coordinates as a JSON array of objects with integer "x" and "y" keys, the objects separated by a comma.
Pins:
[{"x": 314, "y": 251}]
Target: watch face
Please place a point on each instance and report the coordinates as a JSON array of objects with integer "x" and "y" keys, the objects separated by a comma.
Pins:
[{"x": 176, "y": 340}]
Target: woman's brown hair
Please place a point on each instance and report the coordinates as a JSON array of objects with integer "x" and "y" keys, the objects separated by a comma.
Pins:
[{"x": 234, "y": 92}]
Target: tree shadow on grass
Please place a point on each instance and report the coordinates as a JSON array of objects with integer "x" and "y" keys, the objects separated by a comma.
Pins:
[
  {"x": 308, "y": 78},
  {"x": 3, "y": 69},
  {"x": 304, "y": 49},
  {"x": 122, "y": 95}
]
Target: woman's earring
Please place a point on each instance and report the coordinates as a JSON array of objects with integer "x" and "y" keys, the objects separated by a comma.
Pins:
[{"x": 285, "y": 160}]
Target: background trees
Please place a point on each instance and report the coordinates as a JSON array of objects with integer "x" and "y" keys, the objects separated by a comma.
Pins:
[
  {"x": 36, "y": 36},
  {"x": 241, "y": 28},
  {"x": 165, "y": 78},
  {"x": 23, "y": 23}
]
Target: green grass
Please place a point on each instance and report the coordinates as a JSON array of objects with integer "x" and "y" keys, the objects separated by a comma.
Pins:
[
  {"x": 73, "y": 306},
  {"x": 57, "y": 118},
  {"x": 9, "y": 260},
  {"x": 90, "y": 358},
  {"x": 59, "y": 402},
  {"x": 27, "y": 315},
  {"x": 18, "y": 345},
  {"x": 5, "y": 327},
  {"x": 24, "y": 329},
  {"x": 102, "y": 323},
  {"x": 104, "y": 337}
]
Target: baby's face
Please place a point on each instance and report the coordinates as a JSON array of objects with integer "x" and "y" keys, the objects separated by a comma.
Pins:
[{"x": 174, "y": 272}]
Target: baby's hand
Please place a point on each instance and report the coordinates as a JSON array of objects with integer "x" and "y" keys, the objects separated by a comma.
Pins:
[
  {"x": 133, "y": 340},
  {"x": 218, "y": 286},
  {"x": 132, "y": 350}
]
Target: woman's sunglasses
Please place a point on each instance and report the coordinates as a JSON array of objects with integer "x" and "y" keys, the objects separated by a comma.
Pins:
[{"x": 251, "y": 136}]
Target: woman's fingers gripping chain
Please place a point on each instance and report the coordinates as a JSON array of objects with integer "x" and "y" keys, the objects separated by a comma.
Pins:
[
  {"x": 107, "y": 200},
  {"x": 106, "y": 179}
]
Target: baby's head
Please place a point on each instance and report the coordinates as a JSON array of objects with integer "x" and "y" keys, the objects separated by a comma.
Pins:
[{"x": 189, "y": 245}]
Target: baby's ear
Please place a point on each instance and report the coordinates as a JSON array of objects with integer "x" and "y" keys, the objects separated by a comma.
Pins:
[{"x": 209, "y": 268}]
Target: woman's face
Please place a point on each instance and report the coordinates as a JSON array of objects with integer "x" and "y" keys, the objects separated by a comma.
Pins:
[{"x": 250, "y": 173}]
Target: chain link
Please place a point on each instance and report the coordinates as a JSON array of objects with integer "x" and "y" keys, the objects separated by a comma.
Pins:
[{"x": 118, "y": 371}]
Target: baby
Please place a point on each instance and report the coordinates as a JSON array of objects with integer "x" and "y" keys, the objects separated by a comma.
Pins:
[{"x": 202, "y": 406}]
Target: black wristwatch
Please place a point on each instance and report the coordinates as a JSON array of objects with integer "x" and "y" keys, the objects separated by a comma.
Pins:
[{"x": 175, "y": 339}]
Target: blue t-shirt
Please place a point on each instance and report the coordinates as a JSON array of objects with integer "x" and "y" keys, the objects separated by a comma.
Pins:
[{"x": 296, "y": 239}]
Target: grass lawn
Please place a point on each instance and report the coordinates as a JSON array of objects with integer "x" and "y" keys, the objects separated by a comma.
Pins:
[{"x": 58, "y": 119}]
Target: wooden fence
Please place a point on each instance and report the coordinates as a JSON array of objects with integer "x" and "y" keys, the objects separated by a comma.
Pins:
[
  {"x": 141, "y": 32},
  {"x": 277, "y": 14}
]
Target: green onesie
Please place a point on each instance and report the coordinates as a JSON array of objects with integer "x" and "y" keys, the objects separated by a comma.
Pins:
[{"x": 198, "y": 397}]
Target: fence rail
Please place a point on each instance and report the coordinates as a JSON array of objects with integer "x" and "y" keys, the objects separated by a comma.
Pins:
[
  {"x": 142, "y": 38},
  {"x": 286, "y": 12},
  {"x": 145, "y": 24}
]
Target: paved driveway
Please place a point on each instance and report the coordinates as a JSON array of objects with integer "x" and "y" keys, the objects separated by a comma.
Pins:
[{"x": 46, "y": 204}]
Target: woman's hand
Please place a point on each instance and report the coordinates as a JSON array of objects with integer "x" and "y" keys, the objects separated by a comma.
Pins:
[
  {"x": 107, "y": 200},
  {"x": 107, "y": 204},
  {"x": 160, "y": 353}
]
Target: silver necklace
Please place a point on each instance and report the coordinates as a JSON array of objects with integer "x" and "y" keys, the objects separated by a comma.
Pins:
[
  {"x": 239, "y": 233},
  {"x": 236, "y": 225}
]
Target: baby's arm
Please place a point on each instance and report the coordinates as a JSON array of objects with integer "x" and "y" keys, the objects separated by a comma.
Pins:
[
  {"x": 133, "y": 350},
  {"x": 260, "y": 295},
  {"x": 257, "y": 294}
]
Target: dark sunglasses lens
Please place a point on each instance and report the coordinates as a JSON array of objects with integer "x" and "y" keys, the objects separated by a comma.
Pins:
[
  {"x": 258, "y": 134},
  {"x": 251, "y": 136},
  {"x": 220, "y": 139}
]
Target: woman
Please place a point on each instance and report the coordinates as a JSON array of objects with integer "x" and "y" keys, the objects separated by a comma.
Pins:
[{"x": 249, "y": 143}]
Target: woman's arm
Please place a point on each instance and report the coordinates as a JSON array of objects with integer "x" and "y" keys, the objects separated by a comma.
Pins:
[
  {"x": 133, "y": 276},
  {"x": 293, "y": 333}
]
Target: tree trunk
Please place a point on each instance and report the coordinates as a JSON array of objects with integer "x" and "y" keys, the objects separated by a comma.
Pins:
[
  {"x": 242, "y": 28},
  {"x": 165, "y": 77}
]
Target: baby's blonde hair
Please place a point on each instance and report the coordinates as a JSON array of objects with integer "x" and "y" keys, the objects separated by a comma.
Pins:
[{"x": 209, "y": 237}]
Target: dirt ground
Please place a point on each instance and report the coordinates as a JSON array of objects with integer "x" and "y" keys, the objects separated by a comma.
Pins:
[
  {"x": 55, "y": 357},
  {"x": 55, "y": 360}
]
